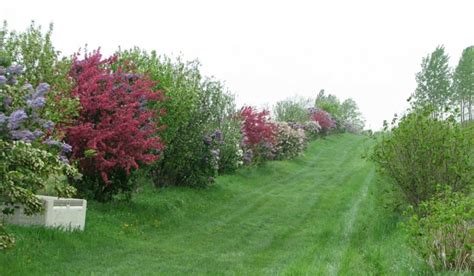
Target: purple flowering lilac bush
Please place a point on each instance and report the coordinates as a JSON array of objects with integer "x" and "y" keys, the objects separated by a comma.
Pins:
[{"x": 29, "y": 156}]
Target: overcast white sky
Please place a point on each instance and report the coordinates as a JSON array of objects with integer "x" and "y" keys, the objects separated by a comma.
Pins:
[{"x": 266, "y": 51}]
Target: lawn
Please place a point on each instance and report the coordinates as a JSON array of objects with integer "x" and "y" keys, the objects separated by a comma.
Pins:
[{"x": 322, "y": 213}]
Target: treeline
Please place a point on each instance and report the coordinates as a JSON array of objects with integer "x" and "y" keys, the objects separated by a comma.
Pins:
[
  {"x": 446, "y": 90},
  {"x": 95, "y": 126},
  {"x": 333, "y": 114}
]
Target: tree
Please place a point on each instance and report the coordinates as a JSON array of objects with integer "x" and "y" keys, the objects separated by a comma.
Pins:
[
  {"x": 463, "y": 83},
  {"x": 328, "y": 103},
  {"x": 433, "y": 82},
  {"x": 351, "y": 116}
]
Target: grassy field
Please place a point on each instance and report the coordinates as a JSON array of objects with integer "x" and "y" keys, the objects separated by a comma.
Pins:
[{"x": 321, "y": 214}]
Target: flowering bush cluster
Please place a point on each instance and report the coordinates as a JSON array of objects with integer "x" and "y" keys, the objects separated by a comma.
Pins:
[
  {"x": 114, "y": 131},
  {"x": 323, "y": 118},
  {"x": 312, "y": 129},
  {"x": 290, "y": 141}
]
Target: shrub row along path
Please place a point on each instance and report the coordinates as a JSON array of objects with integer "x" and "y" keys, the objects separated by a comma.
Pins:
[{"x": 322, "y": 213}]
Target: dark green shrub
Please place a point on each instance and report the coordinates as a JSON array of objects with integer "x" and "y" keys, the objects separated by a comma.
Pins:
[
  {"x": 442, "y": 231},
  {"x": 422, "y": 152}
]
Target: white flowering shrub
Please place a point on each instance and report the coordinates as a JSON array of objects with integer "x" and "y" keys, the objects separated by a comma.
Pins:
[{"x": 290, "y": 142}]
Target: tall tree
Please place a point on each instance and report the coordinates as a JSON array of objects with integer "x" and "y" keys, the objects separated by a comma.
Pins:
[
  {"x": 328, "y": 103},
  {"x": 433, "y": 82},
  {"x": 463, "y": 83}
]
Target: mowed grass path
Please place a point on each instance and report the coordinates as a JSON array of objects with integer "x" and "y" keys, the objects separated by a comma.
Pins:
[{"x": 320, "y": 214}]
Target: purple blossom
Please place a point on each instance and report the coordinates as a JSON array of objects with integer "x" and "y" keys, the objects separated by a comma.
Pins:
[
  {"x": 248, "y": 156},
  {"x": 7, "y": 101},
  {"x": 66, "y": 148},
  {"x": 38, "y": 133},
  {"x": 16, "y": 118},
  {"x": 3, "y": 118},
  {"x": 49, "y": 125},
  {"x": 218, "y": 135},
  {"x": 23, "y": 135},
  {"x": 28, "y": 87},
  {"x": 36, "y": 103},
  {"x": 52, "y": 142},
  {"x": 63, "y": 159},
  {"x": 41, "y": 90},
  {"x": 13, "y": 81},
  {"x": 3, "y": 70},
  {"x": 207, "y": 140},
  {"x": 15, "y": 69},
  {"x": 3, "y": 80}
]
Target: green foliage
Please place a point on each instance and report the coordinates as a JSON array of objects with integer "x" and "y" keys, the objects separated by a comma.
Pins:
[
  {"x": 289, "y": 142},
  {"x": 231, "y": 154},
  {"x": 196, "y": 107},
  {"x": 7, "y": 240},
  {"x": 463, "y": 84},
  {"x": 422, "y": 152},
  {"x": 433, "y": 83},
  {"x": 24, "y": 170},
  {"x": 444, "y": 232},
  {"x": 293, "y": 109},
  {"x": 42, "y": 63},
  {"x": 351, "y": 116},
  {"x": 328, "y": 103}
]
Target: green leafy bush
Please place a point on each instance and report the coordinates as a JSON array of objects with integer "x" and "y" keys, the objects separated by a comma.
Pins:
[
  {"x": 422, "y": 152},
  {"x": 290, "y": 142},
  {"x": 442, "y": 231},
  {"x": 293, "y": 109},
  {"x": 42, "y": 63},
  {"x": 230, "y": 151},
  {"x": 196, "y": 108},
  {"x": 24, "y": 170}
]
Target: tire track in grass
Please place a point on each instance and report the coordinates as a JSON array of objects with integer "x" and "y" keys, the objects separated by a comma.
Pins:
[{"x": 350, "y": 218}]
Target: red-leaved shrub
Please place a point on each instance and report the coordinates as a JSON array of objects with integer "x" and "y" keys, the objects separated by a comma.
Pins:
[
  {"x": 323, "y": 118},
  {"x": 259, "y": 133},
  {"x": 115, "y": 131},
  {"x": 256, "y": 127}
]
